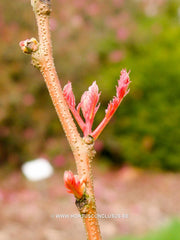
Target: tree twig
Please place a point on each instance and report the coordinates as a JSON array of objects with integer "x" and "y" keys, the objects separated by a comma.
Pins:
[{"x": 82, "y": 148}]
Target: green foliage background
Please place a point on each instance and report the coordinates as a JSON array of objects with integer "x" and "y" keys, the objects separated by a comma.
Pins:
[
  {"x": 172, "y": 231},
  {"x": 145, "y": 130}
]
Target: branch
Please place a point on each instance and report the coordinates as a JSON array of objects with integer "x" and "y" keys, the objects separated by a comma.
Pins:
[{"x": 82, "y": 148}]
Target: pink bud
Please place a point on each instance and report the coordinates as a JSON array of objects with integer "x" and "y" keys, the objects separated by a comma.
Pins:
[
  {"x": 29, "y": 45},
  {"x": 74, "y": 184}
]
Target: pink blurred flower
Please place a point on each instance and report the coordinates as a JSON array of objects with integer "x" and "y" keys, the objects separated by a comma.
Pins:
[
  {"x": 98, "y": 146},
  {"x": 123, "y": 33},
  {"x": 52, "y": 24},
  {"x": 59, "y": 161},
  {"x": 93, "y": 9},
  {"x": 77, "y": 21},
  {"x": 29, "y": 133},
  {"x": 80, "y": 4},
  {"x": 116, "y": 56},
  {"x": 28, "y": 100},
  {"x": 118, "y": 3},
  {"x": 4, "y": 131},
  {"x": 2, "y": 195}
]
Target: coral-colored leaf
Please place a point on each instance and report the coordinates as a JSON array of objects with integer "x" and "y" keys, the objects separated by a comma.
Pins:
[
  {"x": 112, "y": 106},
  {"x": 123, "y": 83},
  {"x": 68, "y": 94},
  {"x": 88, "y": 104},
  {"x": 121, "y": 91}
]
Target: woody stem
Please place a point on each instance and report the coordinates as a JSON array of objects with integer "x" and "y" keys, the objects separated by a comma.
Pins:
[{"x": 82, "y": 148}]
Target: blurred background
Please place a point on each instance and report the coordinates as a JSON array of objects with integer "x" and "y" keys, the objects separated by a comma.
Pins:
[{"x": 138, "y": 155}]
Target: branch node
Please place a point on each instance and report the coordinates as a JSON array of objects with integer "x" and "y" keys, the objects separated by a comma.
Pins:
[
  {"x": 36, "y": 60},
  {"x": 89, "y": 141},
  {"x": 41, "y": 7},
  {"x": 82, "y": 204}
]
